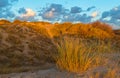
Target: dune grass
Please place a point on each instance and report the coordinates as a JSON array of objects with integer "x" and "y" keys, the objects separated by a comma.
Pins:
[
  {"x": 77, "y": 55},
  {"x": 74, "y": 54},
  {"x": 95, "y": 30}
]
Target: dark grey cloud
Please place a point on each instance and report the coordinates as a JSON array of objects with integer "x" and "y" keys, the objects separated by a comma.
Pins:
[
  {"x": 85, "y": 18},
  {"x": 22, "y": 10},
  {"x": 105, "y": 14},
  {"x": 5, "y": 8},
  {"x": 113, "y": 14},
  {"x": 7, "y": 3},
  {"x": 4, "y": 3},
  {"x": 76, "y": 9},
  {"x": 77, "y": 18},
  {"x": 57, "y": 8},
  {"x": 90, "y": 8},
  {"x": 52, "y": 13}
]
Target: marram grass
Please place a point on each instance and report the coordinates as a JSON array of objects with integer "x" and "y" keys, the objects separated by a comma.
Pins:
[{"x": 76, "y": 55}]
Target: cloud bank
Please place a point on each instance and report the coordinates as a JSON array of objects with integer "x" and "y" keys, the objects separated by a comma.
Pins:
[
  {"x": 26, "y": 14},
  {"x": 111, "y": 16},
  {"x": 57, "y": 12},
  {"x": 5, "y": 8}
]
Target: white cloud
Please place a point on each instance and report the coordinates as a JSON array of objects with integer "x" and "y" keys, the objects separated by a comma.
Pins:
[
  {"x": 116, "y": 8},
  {"x": 2, "y": 18},
  {"x": 95, "y": 14},
  {"x": 28, "y": 16},
  {"x": 49, "y": 14},
  {"x": 29, "y": 13}
]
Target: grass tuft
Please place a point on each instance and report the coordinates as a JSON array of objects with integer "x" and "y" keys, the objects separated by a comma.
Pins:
[{"x": 77, "y": 55}]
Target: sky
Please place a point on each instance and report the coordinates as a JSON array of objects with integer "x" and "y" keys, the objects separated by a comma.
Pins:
[{"x": 85, "y": 11}]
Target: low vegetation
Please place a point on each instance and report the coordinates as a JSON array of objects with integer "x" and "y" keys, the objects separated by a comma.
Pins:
[
  {"x": 77, "y": 55},
  {"x": 74, "y": 48},
  {"x": 83, "y": 30}
]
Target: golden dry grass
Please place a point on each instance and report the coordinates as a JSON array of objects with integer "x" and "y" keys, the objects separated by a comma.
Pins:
[
  {"x": 35, "y": 43},
  {"x": 76, "y": 55},
  {"x": 83, "y": 30}
]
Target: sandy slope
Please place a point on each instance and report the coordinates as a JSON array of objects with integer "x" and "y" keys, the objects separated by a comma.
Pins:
[
  {"x": 49, "y": 73},
  {"x": 23, "y": 46},
  {"x": 55, "y": 73}
]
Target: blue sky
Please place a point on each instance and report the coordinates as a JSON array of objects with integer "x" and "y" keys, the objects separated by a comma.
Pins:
[
  {"x": 101, "y": 4},
  {"x": 62, "y": 10}
]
